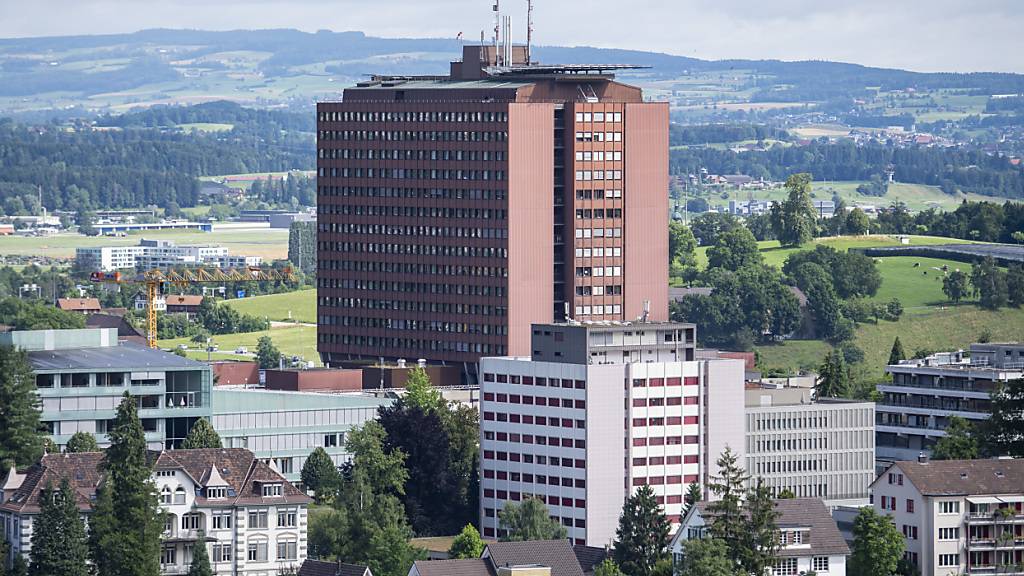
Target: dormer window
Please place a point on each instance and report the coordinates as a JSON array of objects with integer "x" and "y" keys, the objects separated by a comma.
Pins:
[
  {"x": 271, "y": 490},
  {"x": 218, "y": 492}
]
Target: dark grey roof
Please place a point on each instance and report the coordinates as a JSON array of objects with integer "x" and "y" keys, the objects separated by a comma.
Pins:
[
  {"x": 126, "y": 356},
  {"x": 589, "y": 556},
  {"x": 322, "y": 568},
  {"x": 965, "y": 477},
  {"x": 826, "y": 539},
  {"x": 464, "y": 567},
  {"x": 556, "y": 554}
]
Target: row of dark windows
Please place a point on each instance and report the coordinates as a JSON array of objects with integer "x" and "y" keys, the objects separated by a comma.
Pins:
[
  {"x": 410, "y": 173},
  {"x": 540, "y": 459},
  {"x": 396, "y": 192},
  {"x": 395, "y": 324},
  {"x": 535, "y": 400},
  {"x": 417, "y": 306},
  {"x": 534, "y": 420},
  {"x": 531, "y": 439},
  {"x": 417, "y": 135},
  {"x": 412, "y": 287},
  {"x": 374, "y": 344},
  {"x": 397, "y": 154},
  {"x": 411, "y": 116},
  {"x": 563, "y": 481},
  {"x": 408, "y": 268},
  {"x": 407, "y": 249},
  {"x": 407, "y": 211},
  {"x": 397, "y": 230}
]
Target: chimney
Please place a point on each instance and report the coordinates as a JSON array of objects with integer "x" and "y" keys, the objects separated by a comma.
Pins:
[{"x": 922, "y": 458}]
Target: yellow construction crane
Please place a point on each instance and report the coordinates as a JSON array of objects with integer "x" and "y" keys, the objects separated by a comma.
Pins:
[{"x": 155, "y": 279}]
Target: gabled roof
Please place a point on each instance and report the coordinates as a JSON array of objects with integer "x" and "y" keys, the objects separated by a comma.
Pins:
[
  {"x": 237, "y": 468},
  {"x": 322, "y": 568},
  {"x": 464, "y": 567},
  {"x": 811, "y": 513},
  {"x": 78, "y": 304},
  {"x": 964, "y": 477},
  {"x": 556, "y": 554},
  {"x": 183, "y": 299},
  {"x": 589, "y": 556},
  {"x": 81, "y": 469}
]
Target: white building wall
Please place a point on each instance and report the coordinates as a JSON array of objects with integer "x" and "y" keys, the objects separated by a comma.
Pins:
[
  {"x": 605, "y": 452},
  {"x": 722, "y": 403}
]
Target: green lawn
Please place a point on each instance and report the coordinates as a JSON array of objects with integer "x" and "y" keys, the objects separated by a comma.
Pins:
[
  {"x": 290, "y": 340},
  {"x": 918, "y": 288},
  {"x": 268, "y": 243},
  {"x": 301, "y": 304}
]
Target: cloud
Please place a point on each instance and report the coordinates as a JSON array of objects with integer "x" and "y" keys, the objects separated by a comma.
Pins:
[{"x": 927, "y": 35}]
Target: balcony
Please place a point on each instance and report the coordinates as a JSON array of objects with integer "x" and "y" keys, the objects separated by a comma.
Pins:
[{"x": 1006, "y": 570}]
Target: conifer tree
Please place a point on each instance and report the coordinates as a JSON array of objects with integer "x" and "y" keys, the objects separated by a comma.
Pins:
[
  {"x": 642, "y": 537},
  {"x": 201, "y": 435},
  {"x": 58, "y": 537},
  {"x": 320, "y": 475},
  {"x": 693, "y": 495},
  {"x": 82, "y": 442},
  {"x": 21, "y": 442},
  {"x": 834, "y": 377},
  {"x": 200, "y": 559},
  {"x": 728, "y": 523},
  {"x": 762, "y": 534},
  {"x": 896, "y": 355},
  {"x": 126, "y": 521}
]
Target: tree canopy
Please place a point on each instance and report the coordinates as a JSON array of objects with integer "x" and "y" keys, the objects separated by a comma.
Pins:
[
  {"x": 201, "y": 435},
  {"x": 529, "y": 520},
  {"x": 21, "y": 439}
]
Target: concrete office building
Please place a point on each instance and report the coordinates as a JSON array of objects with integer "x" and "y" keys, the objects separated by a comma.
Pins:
[
  {"x": 963, "y": 517},
  {"x": 816, "y": 449},
  {"x": 925, "y": 392},
  {"x": 598, "y": 410},
  {"x": 82, "y": 374},
  {"x": 456, "y": 211},
  {"x": 284, "y": 427},
  {"x": 160, "y": 254}
]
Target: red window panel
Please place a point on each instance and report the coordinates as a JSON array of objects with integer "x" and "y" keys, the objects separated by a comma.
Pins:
[
  {"x": 637, "y": 442},
  {"x": 502, "y": 495},
  {"x": 656, "y": 421},
  {"x": 581, "y": 463},
  {"x": 673, "y": 518},
  {"x": 674, "y": 499},
  {"x": 690, "y": 478},
  {"x": 489, "y": 512},
  {"x": 657, "y": 382},
  {"x": 674, "y": 480},
  {"x": 674, "y": 381},
  {"x": 674, "y": 460},
  {"x": 514, "y": 496},
  {"x": 514, "y": 456},
  {"x": 566, "y": 501},
  {"x": 691, "y": 459},
  {"x": 690, "y": 400},
  {"x": 542, "y": 401},
  {"x": 567, "y": 383},
  {"x": 567, "y": 482},
  {"x": 660, "y": 500},
  {"x": 514, "y": 379},
  {"x": 691, "y": 381},
  {"x": 639, "y": 383},
  {"x": 527, "y": 419},
  {"x": 502, "y": 475},
  {"x": 581, "y": 523},
  {"x": 674, "y": 420},
  {"x": 554, "y": 480},
  {"x": 541, "y": 421},
  {"x": 639, "y": 422},
  {"x": 541, "y": 381},
  {"x": 528, "y": 478},
  {"x": 528, "y": 400},
  {"x": 639, "y": 481},
  {"x": 488, "y": 531},
  {"x": 514, "y": 398},
  {"x": 567, "y": 442},
  {"x": 488, "y": 473},
  {"x": 674, "y": 401},
  {"x": 513, "y": 437},
  {"x": 502, "y": 455},
  {"x": 501, "y": 398},
  {"x": 656, "y": 401},
  {"x": 553, "y": 500},
  {"x": 488, "y": 396},
  {"x": 488, "y": 493},
  {"x": 656, "y": 480},
  {"x": 580, "y": 384},
  {"x": 528, "y": 380},
  {"x": 488, "y": 377},
  {"x": 691, "y": 420},
  {"x": 657, "y": 441},
  {"x": 691, "y": 439},
  {"x": 554, "y": 441},
  {"x": 580, "y": 503},
  {"x": 502, "y": 417},
  {"x": 489, "y": 454},
  {"x": 910, "y": 505},
  {"x": 581, "y": 483},
  {"x": 566, "y": 422},
  {"x": 488, "y": 415},
  {"x": 639, "y": 402},
  {"x": 638, "y": 461},
  {"x": 503, "y": 378},
  {"x": 552, "y": 401},
  {"x": 580, "y": 443},
  {"x": 580, "y": 404},
  {"x": 657, "y": 460},
  {"x": 502, "y": 437}
]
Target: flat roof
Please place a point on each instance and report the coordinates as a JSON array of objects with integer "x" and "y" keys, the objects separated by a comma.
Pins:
[
  {"x": 231, "y": 401},
  {"x": 440, "y": 83},
  {"x": 126, "y": 356}
]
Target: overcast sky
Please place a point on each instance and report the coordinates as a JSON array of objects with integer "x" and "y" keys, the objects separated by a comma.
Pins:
[{"x": 926, "y": 35}]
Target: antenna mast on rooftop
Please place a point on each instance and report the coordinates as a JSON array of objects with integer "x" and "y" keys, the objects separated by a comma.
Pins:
[
  {"x": 529, "y": 29},
  {"x": 497, "y": 32}
]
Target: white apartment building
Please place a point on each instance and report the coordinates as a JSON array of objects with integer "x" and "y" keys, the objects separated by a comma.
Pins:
[
  {"x": 598, "y": 410},
  {"x": 252, "y": 521},
  {"x": 810, "y": 539},
  {"x": 150, "y": 254},
  {"x": 815, "y": 448},
  {"x": 958, "y": 517},
  {"x": 925, "y": 392}
]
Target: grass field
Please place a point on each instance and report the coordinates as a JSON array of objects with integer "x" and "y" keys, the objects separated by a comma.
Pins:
[
  {"x": 206, "y": 127},
  {"x": 269, "y": 243},
  {"x": 918, "y": 291},
  {"x": 290, "y": 340},
  {"x": 276, "y": 307}
]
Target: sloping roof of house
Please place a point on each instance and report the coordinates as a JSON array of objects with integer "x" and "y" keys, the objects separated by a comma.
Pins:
[
  {"x": 826, "y": 540},
  {"x": 78, "y": 304},
  {"x": 464, "y": 567},
  {"x": 239, "y": 468},
  {"x": 556, "y": 554},
  {"x": 322, "y": 568},
  {"x": 81, "y": 469},
  {"x": 103, "y": 320},
  {"x": 965, "y": 477},
  {"x": 589, "y": 556},
  {"x": 183, "y": 299}
]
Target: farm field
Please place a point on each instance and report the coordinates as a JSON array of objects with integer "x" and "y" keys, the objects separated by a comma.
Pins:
[
  {"x": 269, "y": 243},
  {"x": 301, "y": 304},
  {"x": 290, "y": 340}
]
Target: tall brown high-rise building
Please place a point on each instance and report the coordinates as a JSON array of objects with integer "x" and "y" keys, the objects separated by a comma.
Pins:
[{"x": 455, "y": 211}]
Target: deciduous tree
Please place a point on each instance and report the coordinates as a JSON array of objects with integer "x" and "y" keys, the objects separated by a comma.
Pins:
[
  {"x": 467, "y": 544},
  {"x": 877, "y": 544},
  {"x": 642, "y": 537},
  {"x": 794, "y": 220},
  {"x": 82, "y": 441},
  {"x": 707, "y": 557},
  {"x": 989, "y": 283},
  {"x": 955, "y": 286},
  {"x": 959, "y": 443},
  {"x": 267, "y": 354},
  {"x": 734, "y": 250},
  {"x": 201, "y": 435},
  {"x": 529, "y": 520}
]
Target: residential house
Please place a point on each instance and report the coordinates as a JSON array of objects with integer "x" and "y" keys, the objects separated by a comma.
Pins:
[
  {"x": 810, "y": 539},
  {"x": 323, "y": 568},
  {"x": 81, "y": 305},
  {"x": 958, "y": 517},
  {"x": 532, "y": 558}
]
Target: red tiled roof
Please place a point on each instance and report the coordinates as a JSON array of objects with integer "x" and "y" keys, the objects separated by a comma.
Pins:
[
  {"x": 183, "y": 299},
  {"x": 239, "y": 468},
  {"x": 78, "y": 304},
  {"x": 81, "y": 469}
]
